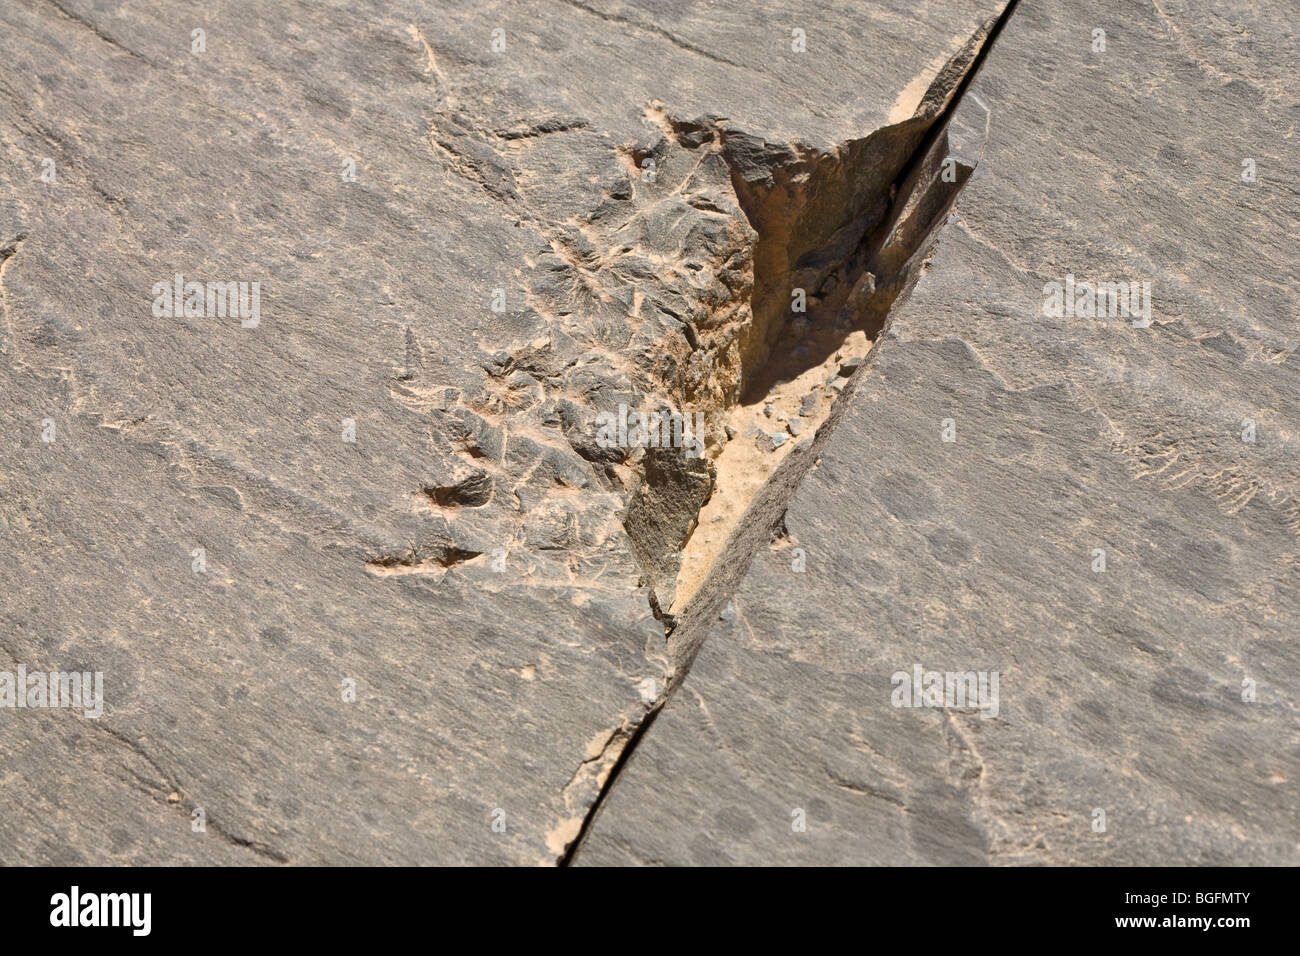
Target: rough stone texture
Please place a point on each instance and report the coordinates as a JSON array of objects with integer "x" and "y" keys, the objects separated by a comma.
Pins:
[
  {"x": 464, "y": 561},
  {"x": 1122, "y": 690}
]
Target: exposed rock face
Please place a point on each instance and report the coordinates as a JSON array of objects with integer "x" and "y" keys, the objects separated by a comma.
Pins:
[
  {"x": 362, "y": 583},
  {"x": 387, "y": 566}
]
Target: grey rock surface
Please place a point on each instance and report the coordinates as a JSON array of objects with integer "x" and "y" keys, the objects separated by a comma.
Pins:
[
  {"x": 362, "y": 584},
  {"x": 1112, "y": 528}
]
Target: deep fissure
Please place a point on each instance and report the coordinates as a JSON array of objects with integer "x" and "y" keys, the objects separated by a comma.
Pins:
[{"x": 848, "y": 230}]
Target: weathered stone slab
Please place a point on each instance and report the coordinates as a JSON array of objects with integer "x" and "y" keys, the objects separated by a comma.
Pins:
[{"x": 376, "y": 484}]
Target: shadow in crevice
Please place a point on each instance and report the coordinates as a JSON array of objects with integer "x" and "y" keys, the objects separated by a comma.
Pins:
[{"x": 841, "y": 234}]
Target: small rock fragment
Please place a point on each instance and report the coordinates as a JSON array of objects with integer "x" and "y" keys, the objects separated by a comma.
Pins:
[{"x": 795, "y": 425}]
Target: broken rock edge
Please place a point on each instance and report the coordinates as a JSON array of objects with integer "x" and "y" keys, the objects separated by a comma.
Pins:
[{"x": 763, "y": 518}]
